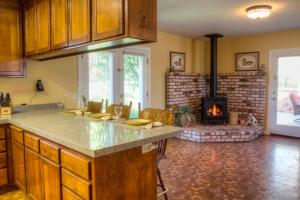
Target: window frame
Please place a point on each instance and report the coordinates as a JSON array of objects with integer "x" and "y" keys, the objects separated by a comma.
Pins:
[{"x": 117, "y": 77}]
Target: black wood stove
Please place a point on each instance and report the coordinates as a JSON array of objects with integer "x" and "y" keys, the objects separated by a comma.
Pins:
[{"x": 214, "y": 108}]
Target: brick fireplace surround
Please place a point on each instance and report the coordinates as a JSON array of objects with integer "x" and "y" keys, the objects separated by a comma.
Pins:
[{"x": 245, "y": 91}]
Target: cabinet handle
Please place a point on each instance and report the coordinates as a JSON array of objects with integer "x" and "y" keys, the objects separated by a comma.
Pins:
[{"x": 144, "y": 21}]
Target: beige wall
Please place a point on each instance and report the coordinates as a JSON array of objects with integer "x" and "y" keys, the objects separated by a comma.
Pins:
[
  {"x": 59, "y": 77},
  {"x": 262, "y": 43},
  {"x": 160, "y": 61}
]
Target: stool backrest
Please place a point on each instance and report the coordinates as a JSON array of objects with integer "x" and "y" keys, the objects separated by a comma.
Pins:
[
  {"x": 126, "y": 109},
  {"x": 95, "y": 107},
  {"x": 157, "y": 115}
]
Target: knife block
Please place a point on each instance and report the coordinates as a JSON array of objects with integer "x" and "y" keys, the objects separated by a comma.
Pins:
[{"x": 6, "y": 110}]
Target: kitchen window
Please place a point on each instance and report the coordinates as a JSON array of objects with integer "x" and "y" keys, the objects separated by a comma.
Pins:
[{"x": 119, "y": 76}]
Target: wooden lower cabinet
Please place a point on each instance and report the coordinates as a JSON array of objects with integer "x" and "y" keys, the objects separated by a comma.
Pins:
[
  {"x": 47, "y": 171},
  {"x": 19, "y": 165},
  {"x": 76, "y": 184},
  {"x": 2, "y": 145},
  {"x": 33, "y": 177},
  {"x": 51, "y": 180},
  {"x": 3, "y": 177},
  {"x": 69, "y": 195}
]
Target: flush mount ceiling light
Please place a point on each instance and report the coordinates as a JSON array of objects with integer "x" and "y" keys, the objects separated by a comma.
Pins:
[{"x": 259, "y": 11}]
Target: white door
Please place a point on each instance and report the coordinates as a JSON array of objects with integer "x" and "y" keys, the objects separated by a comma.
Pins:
[
  {"x": 284, "y": 92},
  {"x": 120, "y": 76},
  {"x": 134, "y": 80}
]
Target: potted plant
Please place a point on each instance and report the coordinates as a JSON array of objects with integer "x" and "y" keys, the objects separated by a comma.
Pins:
[{"x": 184, "y": 117}]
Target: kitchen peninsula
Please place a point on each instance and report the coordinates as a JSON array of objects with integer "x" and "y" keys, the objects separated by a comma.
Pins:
[{"x": 52, "y": 155}]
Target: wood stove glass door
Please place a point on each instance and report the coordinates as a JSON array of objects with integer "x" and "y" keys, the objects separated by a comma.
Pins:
[{"x": 284, "y": 93}]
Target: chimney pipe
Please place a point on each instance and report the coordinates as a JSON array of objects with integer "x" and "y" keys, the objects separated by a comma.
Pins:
[{"x": 213, "y": 62}]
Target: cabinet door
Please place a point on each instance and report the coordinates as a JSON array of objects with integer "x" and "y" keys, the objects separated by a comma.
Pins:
[
  {"x": 19, "y": 165},
  {"x": 142, "y": 19},
  {"x": 33, "y": 177},
  {"x": 50, "y": 180},
  {"x": 108, "y": 18},
  {"x": 79, "y": 22},
  {"x": 11, "y": 51},
  {"x": 43, "y": 25},
  {"x": 59, "y": 34},
  {"x": 30, "y": 27}
]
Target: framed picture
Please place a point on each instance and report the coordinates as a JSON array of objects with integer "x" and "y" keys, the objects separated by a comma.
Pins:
[
  {"x": 177, "y": 61},
  {"x": 247, "y": 61}
]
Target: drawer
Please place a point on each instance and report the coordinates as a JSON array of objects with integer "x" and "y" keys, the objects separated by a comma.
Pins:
[
  {"x": 2, "y": 145},
  {"x": 75, "y": 184},
  {"x": 69, "y": 195},
  {"x": 17, "y": 134},
  {"x": 3, "y": 177},
  {"x": 32, "y": 142},
  {"x": 2, "y": 133},
  {"x": 3, "y": 160},
  {"x": 50, "y": 151},
  {"x": 76, "y": 163}
]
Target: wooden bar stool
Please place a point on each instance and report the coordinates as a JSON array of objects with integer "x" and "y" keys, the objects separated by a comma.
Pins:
[
  {"x": 95, "y": 107},
  {"x": 166, "y": 118},
  {"x": 126, "y": 109},
  {"x": 161, "y": 151}
]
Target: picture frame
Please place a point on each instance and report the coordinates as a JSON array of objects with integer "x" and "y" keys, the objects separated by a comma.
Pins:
[
  {"x": 177, "y": 61},
  {"x": 247, "y": 61}
]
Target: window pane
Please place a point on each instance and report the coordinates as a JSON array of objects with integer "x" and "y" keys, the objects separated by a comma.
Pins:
[
  {"x": 100, "y": 76},
  {"x": 288, "y": 91},
  {"x": 133, "y": 77}
]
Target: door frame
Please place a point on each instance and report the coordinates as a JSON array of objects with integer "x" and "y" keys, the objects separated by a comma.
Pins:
[
  {"x": 273, "y": 85},
  {"x": 83, "y": 73}
]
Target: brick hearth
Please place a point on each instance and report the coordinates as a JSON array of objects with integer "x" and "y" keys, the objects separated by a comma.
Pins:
[
  {"x": 245, "y": 91},
  {"x": 229, "y": 133}
]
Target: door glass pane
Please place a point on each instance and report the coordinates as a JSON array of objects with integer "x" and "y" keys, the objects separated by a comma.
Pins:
[
  {"x": 100, "y": 76},
  {"x": 288, "y": 94},
  {"x": 133, "y": 81}
]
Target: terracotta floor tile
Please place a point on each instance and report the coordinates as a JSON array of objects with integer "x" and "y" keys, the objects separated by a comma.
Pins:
[{"x": 267, "y": 168}]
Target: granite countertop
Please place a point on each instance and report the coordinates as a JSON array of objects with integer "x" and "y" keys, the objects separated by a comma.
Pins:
[{"x": 91, "y": 137}]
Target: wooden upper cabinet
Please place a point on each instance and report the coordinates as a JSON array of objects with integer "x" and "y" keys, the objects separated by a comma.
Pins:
[
  {"x": 30, "y": 27},
  {"x": 81, "y": 26},
  {"x": 59, "y": 27},
  {"x": 142, "y": 19},
  {"x": 11, "y": 51},
  {"x": 79, "y": 22},
  {"x": 37, "y": 26},
  {"x": 43, "y": 25},
  {"x": 108, "y": 18}
]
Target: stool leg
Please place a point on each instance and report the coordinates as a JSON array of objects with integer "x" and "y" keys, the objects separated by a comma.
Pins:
[{"x": 164, "y": 188}]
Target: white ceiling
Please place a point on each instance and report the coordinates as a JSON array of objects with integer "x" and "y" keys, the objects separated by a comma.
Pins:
[{"x": 194, "y": 18}]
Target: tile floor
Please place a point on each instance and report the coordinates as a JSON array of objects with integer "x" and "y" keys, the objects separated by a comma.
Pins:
[{"x": 265, "y": 169}]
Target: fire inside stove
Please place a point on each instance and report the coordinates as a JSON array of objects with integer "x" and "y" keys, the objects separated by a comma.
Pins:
[{"x": 215, "y": 111}]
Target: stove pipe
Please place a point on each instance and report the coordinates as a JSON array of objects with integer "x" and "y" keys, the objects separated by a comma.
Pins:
[{"x": 213, "y": 62}]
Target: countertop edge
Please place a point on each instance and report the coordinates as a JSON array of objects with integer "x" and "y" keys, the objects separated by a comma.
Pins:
[{"x": 88, "y": 152}]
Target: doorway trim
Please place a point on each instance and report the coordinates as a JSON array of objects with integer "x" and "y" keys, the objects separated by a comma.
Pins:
[
  {"x": 273, "y": 54},
  {"x": 82, "y": 71}
]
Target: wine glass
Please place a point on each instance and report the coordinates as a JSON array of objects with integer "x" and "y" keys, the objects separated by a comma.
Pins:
[{"x": 60, "y": 106}]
